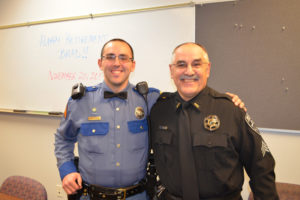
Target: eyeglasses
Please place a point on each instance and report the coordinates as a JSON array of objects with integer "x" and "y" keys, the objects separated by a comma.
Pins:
[
  {"x": 196, "y": 64},
  {"x": 122, "y": 58}
]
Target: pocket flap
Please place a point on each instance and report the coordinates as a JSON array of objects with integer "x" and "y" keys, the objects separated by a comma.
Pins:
[
  {"x": 210, "y": 140},
  {"x": 99, "y": 128},
  {"x": 138, "y": 126}
]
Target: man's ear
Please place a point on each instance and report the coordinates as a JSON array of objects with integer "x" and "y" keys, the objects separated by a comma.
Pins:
[
  {"x": 133, "y": 66},
  {"x": 100, "y": 63},
  {"x": 208, "y": 70},
  {"x": 171, "y": 72}
]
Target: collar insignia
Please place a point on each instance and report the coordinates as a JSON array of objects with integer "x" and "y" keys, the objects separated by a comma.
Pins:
[
  {"x": 211, "y": 122},
  {"x": 196, "y": 105},
  {"x": 264, "y": 148},
  {"x": 139, "y": 112}
]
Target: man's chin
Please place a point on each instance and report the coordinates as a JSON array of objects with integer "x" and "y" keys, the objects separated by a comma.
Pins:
[{"x": 188, "y": 94}]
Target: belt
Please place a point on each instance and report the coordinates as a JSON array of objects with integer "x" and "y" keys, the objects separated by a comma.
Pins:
[
  {"x": 233, "y": 196},
  {"x": 97, "y": 192}
]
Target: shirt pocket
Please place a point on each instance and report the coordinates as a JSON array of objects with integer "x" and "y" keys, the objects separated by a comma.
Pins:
[
  {"x": 163, "y": 144},
  {"x": 213, "y": 151},
  {"x": 163, "y": 137},
  {"x": 94, "y": 137},
  {"x": 138, "y": 135}
]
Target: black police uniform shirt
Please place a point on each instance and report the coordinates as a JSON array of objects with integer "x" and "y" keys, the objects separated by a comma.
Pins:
[{"x": 220, "y": 153}]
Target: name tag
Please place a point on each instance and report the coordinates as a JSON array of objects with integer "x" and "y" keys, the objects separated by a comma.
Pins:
[{"x": 94, "y": 118}]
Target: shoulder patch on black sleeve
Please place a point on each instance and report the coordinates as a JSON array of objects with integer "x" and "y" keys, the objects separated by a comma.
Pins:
[
  {"x": 264, "y": 148},
  {"x": 251, "y": 123}
]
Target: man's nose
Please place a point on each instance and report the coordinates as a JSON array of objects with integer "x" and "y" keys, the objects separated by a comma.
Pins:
[
  {"x": 189, "y": 69},
  {"x": 117, "y": 61}
]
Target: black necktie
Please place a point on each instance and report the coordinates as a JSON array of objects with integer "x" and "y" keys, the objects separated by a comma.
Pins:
[
  {"x": 121, "y": 95},
  {"x": 186, "y": 156}
]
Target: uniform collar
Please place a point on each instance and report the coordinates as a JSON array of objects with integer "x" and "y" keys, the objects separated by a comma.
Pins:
[
  {"x": 195, "y": 102},
  {"x": 106, "y": 88}
]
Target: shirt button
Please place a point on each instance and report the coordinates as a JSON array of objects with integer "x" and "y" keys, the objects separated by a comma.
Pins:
[
  {"x": 118, "y": 126},
  {"x": 141, "y": 127},
  {"x": 94, "y": 109},
  {"x": 117, "y": 164},
  {"x": 209, "y": 143},
  {"x": 117, "y": 109},
  {"x": 118, "y": 145},
  {"x": 94, "y": 130}
]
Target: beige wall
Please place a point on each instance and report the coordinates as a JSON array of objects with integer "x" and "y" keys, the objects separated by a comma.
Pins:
[
  {"x": 26, "y": 148},
  {"x": 286, "y": 149}
]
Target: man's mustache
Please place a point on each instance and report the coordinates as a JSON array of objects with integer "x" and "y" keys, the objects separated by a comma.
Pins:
[{"x": 186, "y": 77}]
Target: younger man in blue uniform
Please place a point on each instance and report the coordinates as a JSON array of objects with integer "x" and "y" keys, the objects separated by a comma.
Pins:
[{"x": 111, "y": 131}]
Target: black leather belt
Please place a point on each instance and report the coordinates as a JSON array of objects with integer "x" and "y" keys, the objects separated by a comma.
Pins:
[{"x": 97, "y": 192}]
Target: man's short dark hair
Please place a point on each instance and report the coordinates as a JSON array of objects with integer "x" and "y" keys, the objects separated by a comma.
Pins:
[{"x": 118, "y": 40}]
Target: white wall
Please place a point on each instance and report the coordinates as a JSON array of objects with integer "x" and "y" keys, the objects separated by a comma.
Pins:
[{"x": 26, "y": 142}]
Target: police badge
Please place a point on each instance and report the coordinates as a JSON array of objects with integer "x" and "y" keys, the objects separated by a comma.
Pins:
[
  {"x": 139, "y": 112},
  {"x": 211, "y": 122}
]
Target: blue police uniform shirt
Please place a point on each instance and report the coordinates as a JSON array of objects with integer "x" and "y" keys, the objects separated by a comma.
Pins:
[{"x": 111, "y": 134}]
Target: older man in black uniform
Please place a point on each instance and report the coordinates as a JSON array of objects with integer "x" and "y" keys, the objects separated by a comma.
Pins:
[{"x": 202, "y": 142}]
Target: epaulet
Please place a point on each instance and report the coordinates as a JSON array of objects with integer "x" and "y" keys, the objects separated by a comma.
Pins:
[
  {"x": 154, "y": 90},
  {"x": 150, "y": 90},
  {"x": 91, "y": 88},
  {"x": 164, "y": 96},
  {"x": 219, "y": 95},
  {"x": 135, "y": 90},
  {"x": 79, "y": 90}
]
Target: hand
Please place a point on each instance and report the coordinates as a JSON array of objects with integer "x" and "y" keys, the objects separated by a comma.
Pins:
[
  {"x": 237, "y": 101},
  {"x": 72, "y": 182}
]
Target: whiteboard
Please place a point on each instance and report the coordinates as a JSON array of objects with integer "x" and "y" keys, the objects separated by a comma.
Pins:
[{"x": 39, "y": 64}]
